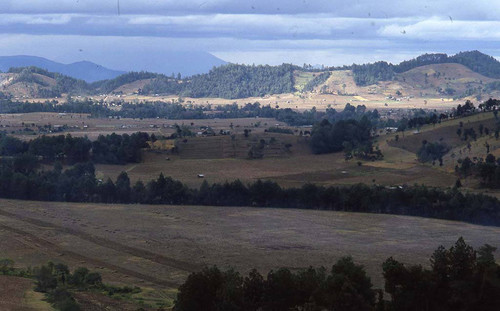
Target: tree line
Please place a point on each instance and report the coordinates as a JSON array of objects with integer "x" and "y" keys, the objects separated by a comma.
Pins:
[
  {"x": 177, "y": 111},
  {"x": 459, "y": 278},
  {"x": 107, "y": 149},
  {"x": 20, "y": 179}
]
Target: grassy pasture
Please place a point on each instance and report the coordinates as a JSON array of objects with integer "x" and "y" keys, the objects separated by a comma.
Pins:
[
  {"x": 445, "y": 132},
  {"x": 157, "y": 246},
  {"x": 295, "y": 168},
  {"x": 402, "y": 153}
]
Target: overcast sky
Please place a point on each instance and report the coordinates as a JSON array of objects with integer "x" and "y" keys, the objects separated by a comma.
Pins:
[{"x": 329, "y": 32}]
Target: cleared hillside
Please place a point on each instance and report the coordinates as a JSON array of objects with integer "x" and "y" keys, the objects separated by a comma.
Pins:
[{"x": 447, "y": 80}]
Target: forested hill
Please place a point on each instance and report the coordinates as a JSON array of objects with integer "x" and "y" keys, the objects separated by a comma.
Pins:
[
  {"x": 108, "y": 86},
  {"x": 239, "y": 81},
  {"x": 229, "y": 81},
  {"x": 476, "y": 61}
]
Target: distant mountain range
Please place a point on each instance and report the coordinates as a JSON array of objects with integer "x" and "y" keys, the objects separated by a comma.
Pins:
[
  {"x": 83, "y": 70},
  {"x": 186, "y": 63}
]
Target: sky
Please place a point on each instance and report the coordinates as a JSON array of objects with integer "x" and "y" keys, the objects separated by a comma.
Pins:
[{"x": 130, "y": 34}]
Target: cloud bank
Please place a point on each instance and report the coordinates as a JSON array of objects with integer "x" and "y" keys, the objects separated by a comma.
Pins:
[{"x": 255, "y": 31}]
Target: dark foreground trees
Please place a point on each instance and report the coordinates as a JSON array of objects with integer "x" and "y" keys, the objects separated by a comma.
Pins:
[
  {"x": 344, "y": 287},
  {"x": 459, "y": 278}
]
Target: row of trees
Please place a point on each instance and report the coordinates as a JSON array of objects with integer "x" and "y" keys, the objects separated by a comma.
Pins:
[
  {"x": 249, "y": 110},
  {"x": 466, "y": 109},
  {"x": 109, "y": 149},
  {"x": 82, "y": 106},
  {"x": 459, "y": 278},
  {"x": 176, "y": 111},
  {"x": 79, "y": 184},
  {"x": 344, "y": 287}
]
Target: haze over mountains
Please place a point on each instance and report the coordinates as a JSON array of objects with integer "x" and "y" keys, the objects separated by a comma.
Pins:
[
  {"x": 186, "y": 63},
  {"x": 83, "y": 70}
]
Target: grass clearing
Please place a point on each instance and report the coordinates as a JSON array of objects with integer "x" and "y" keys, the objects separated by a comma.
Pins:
[{"x": 301, "y": 78}]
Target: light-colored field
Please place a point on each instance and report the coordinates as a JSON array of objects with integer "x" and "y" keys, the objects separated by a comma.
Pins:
[
  {"x": 81, "y": 125},
  {"x": 17, "y": 294},
  {"x": 292, "y": 169},
  {"x": 307, "y": 101},
  {"x": 158, "y": 246}
]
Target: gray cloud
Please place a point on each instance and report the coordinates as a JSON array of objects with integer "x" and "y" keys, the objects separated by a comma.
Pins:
[
  {"x": 261, "y": 27},
  {"x": 332, "y": 32},
  {"x": 461, "y": 9}
]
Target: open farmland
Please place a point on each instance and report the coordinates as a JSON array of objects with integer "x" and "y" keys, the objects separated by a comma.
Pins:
[
  {"x": 291, "y": 169},
  {"x": 158, "y": 246},
  {"x": 305, "y": 101},
  {"x": 79, "y": 124},
  {"x": 287, "y": 159}
]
